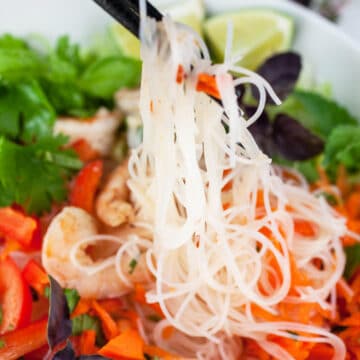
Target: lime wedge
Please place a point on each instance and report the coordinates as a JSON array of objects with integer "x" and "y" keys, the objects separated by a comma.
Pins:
[
  {"x": 258, "y": 34},
  {"x": 189, "y": 12}
]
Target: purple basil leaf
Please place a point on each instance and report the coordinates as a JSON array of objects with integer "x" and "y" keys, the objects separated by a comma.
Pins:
[
  {"x": 293, "y": 141},
  {"x": 261, "y": 131},
  {"x": 282, "y": 72},
  {"x": 67, "y": 353},
  {"x": 59, "y": 324}
]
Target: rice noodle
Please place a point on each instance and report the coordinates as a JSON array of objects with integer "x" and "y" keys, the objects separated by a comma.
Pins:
[{"x": 211, "y": 199}]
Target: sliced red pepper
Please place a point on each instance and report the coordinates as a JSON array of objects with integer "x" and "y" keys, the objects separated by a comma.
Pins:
[
  {"x": 38, "y": 354},
  {"x": 35, "y": 276},
  {"x": 22, "y": 341},
  {"x": 15, "y": 297},
  {"x": 84, "y": 150},
  {"x": 86, "y": 183},
  {"x": 17, "y": 226}
]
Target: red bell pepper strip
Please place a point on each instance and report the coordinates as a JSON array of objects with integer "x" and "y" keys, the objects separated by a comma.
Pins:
[
  {"x": 15, "y": 300},
  {"x": 35, "y": 276},
  {"x": 17, "y": 226},
  {"x": 86, "y": 183},
  {"x": 22, "y": 341}
]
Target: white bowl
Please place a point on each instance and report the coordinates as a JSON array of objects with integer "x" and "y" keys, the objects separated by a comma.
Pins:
[{"x": 333, "y": 55}]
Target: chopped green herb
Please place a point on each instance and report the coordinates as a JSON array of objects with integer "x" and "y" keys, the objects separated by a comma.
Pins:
[
  {"x": 87, "y": 322},
  {"x": 294, "y": 335},
  {"x": 47, "y": 292},
  {"x": 352, "y": 260},
  {"x": 72, "y": 298},
  {"x": 2, "y": 343},
  {"x": 20, "y": 163},
  {"x": 343, "y": 148},
  {"x": 132, "y": 265},
  {"x": 316, "y": 112},
  {"x": 330, "y": 198},
  {"x": 154, "y": 318}
]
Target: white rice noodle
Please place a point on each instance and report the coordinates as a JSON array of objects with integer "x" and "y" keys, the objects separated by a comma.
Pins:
[{"x": 211, "y": 199}]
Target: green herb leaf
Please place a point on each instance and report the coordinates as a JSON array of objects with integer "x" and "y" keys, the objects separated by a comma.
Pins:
[
  {"x": 105, "y": 76},
  {"x": 25, "y": 113},
  {"x": 85, "y": 322},
  {"x": 72, "y": 298},
  {"x": 132, "y": 266},
  {"x": 352, "y": 260},
  {"x": 315, "y": 112},
  {"x": 2, "y": 343},
  {"x": 47, "y": 292},
  {"x": 34, "y": 175},
  {"x": 343, "y": 147}
]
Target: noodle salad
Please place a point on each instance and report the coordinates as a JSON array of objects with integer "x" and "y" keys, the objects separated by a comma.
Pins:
[{"x": 228, "y": 230}]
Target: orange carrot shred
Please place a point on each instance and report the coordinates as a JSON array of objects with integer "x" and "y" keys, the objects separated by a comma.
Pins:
[
  {"x": 82, "y": 307},
  {"x": 207, "y": 84},
  {"x": 180, "y": 74},
  {"x": 87, "y": 342},
  {"x": 128, "y": 344},
  {"x": 108, "y": 324}
]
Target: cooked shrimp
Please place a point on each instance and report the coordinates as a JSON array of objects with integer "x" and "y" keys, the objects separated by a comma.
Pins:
[
  {"x": 128, "y": 100},
  {"x": 112, "y": 204},
  {"x": 74, "y": 229},
  {"x": 99, "y": 131}
]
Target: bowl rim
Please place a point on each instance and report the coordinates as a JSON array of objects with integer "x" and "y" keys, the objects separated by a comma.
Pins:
[{"x": 294, "y": 8}]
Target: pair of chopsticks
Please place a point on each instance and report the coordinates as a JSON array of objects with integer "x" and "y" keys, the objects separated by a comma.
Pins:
[{"x": 127, "y": 12}]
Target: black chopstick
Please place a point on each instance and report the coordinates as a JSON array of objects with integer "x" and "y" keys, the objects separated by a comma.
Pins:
[{"x": 127, "y": 12}]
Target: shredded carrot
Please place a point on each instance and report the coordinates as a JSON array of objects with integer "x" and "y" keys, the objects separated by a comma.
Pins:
[
  {"x": 304, "y": 228},
  {"x": 321, "y": 351},
  {"x": 87, "y": 342},
  {"x": 168, "y": 332},
  {"x": 353, "y": 206},
  {"x": 139, "y": 296},
  {"x": 298, "y": 349},
  {"x": 353, "y": 320},
  {"x": 124, "y": 324},
  {"x": 128, "y": 344},
  {"x": 160, "y": 353},
  {"x": 344, "y": 290},
  {"x": 207, "y": 84},
  {"x": 180, "y": 75},
  {"x": 342, "y": 181},
  {"x": 82, "y": 307},
  {"x": 108, "y": 324},
  {"x": 112, "y": 306}
]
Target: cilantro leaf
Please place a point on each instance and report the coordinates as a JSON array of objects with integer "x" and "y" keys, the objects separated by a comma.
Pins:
[
  {"x": 343, "y": 147},
  {"x": 352, "y": 260},
  {"x": 315, "y": 112},
  {"x": 105, "y": 76},
  {"x": 17, "y": 60},
  {"x": 85, "y": 322},
  {"x": 72, "y": 298},
  {"x": 34, "y": 175}
]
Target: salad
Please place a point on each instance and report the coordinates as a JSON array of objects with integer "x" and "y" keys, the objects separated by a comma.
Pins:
[{"x": 200, "y": 202}]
